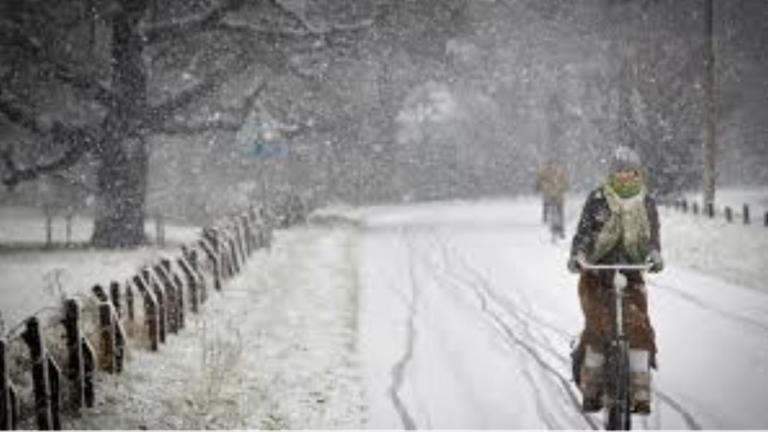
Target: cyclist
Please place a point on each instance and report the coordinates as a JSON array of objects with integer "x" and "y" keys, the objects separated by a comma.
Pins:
[
  {"x": 619, "y": 224},
  {"x": 552, "y": 184}
]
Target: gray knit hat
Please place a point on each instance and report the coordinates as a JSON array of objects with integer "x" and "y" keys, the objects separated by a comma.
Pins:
[{"x": 624, "y": 158}]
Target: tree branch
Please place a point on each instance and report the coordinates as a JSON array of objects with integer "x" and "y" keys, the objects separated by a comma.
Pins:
[
  {"x": 80, "y": 141},
  {"x": 17, "y": 116},
  {"x": 200, "y": 24},
  {"x": 312, "y": 30},
  {"x": 232, "y": 120},
  {"x": 61, "y": 72}
]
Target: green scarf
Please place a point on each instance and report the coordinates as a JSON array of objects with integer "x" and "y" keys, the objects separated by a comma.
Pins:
[
  {"x": 627, "y": 188},
  {"x": 627, "y": 224}
]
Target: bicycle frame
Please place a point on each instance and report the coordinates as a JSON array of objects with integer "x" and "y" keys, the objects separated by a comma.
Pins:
[{"x": 617, "y": 354}]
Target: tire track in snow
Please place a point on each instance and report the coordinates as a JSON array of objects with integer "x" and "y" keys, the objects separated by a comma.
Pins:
[
  {"x": 398, "y": 370},
  {"x": 456, "y": 283},
  {"x": 686, "y": 415},
  {"x": 479, "y": 285},
  {"x": 722, "y": 312}
]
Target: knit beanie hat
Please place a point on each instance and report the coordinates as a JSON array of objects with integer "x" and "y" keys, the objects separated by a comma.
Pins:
[{"x": 624, "y": 158}]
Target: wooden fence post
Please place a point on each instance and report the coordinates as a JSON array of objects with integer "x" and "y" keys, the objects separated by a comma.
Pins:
[
  {"x": 54, "y": 383},
  {"x": 746, "y": 214},
  {"x": 242, "y": 241},
  {"x": 728, "y": 214},
  {"x": 76, "y": 367},
  {"x": 248, "y": 232},
  {"x": 235, "y": 256},
  {"x": 108, "y": 348},
  {"x": 99, "y": 292},
  {"x": 711, "y": 210},
  {"x": 33, "y": 337},
  {"x": 6, "y": 416},
  {"x": 765, "y": 220},
  {"x": 129, "y": 302},
  {"x": 194, "y": 301},
  {"x": 114, "y": 296},
  {"x": 162, "y": 317},
  {"x": 695, "y": 208},
  {"x": 685, "y": 206},
  {"x": 214, "y": 259},
  {"x": 89, "y": 368},
  {"x": 220, "y": 252},
  {"x": 194, "y": 262},
  {"x": 150, "y": 312},
  {"x": 120, "y": 342},
  {"x": 175, "y": 295},
  {"x": 170, "y": 298},
  {"x": 179, "y": 287}
]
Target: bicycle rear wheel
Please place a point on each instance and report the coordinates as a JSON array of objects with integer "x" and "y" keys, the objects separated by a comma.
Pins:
[{"x": 618, "y": 407}]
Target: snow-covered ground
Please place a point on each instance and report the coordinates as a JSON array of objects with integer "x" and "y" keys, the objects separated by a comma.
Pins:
[
  {"x": 467, "y": 314},
  {"x": 35, "y": 278},
  {"x": 448, "y": 315},
  {"x": 275, "y": 349},
  {"x": 735, "y": 197}
]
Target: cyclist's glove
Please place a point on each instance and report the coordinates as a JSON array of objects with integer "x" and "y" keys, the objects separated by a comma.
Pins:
[
  {"x": 657, "y": 263},
  {"x": 574, "y": 260}
]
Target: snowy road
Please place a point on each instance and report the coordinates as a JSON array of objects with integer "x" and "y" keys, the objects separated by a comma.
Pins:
[
  {"x": 447, "y": 315},
  {"x": 467, "y": 315}
]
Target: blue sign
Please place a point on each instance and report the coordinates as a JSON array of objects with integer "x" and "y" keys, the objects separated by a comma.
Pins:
[{"x": 267, "y": 149}]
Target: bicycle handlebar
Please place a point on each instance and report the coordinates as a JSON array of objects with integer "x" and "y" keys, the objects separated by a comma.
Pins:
[{"x": 588, "y": 266}]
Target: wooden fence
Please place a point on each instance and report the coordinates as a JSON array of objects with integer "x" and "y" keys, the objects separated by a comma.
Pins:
[
  {"x": 148, "y": 307},
  {"x": 731, "y": 215}
]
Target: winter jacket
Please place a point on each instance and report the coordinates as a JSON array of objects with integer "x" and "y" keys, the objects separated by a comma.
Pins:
[
  {"x": 594, "y": 217},
  {"x": 552, "y": 182}
]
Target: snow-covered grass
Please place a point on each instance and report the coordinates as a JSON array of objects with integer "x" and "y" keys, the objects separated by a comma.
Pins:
[
  {"x": 731, "y": 251},
  {"x": 35, "y": 277},
  {"x": 735, "y": 197},
  {"x": 275, "y": 349},
  {"x": 26, "y": 226}
]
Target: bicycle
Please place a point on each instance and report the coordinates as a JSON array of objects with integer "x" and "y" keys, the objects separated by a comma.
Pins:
[
  {"x": 616, "y": 370},
  {"x": 553, "y": 211}
]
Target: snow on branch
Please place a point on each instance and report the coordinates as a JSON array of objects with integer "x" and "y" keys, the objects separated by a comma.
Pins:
[
  {"x": 156, "y": 116},
  {"x": 229, "y": 120}
]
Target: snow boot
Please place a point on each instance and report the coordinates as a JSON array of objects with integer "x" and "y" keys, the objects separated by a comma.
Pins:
[
  {"x": 639, "y": 381},
  {"x": 591, "y": 381}
]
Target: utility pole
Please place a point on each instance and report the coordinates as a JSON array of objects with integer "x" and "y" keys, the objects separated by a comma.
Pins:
[{"x": 710, "y": 144}]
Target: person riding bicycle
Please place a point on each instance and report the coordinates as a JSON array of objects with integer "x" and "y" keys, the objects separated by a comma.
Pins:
[
  {"x": 619, "y": 224},
  {"x": 552, "y": 184}
]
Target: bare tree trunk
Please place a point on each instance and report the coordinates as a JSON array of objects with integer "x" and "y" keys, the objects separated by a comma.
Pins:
[
  {"x": 123, "y": 155},
  {"x": 122, "y": 194},
  {"x": 710, "y": 145}
]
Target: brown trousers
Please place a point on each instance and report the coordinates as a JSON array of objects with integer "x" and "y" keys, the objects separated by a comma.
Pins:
[{"x": 597, "y": 303}]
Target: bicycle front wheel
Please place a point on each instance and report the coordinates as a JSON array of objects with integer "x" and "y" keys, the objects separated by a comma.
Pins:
[{"x": 619, "y": 414}]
